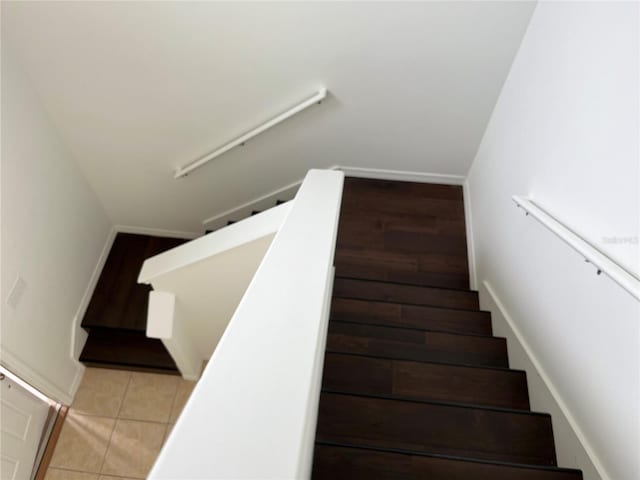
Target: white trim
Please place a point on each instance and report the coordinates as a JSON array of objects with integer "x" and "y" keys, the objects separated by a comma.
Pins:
[
  {"x": 29, "y": 388},
  {"x": 78, "y": 378},
  {"x": 250, "y": 229},
  {"x": 566, "y": 411},
  {"x": 157, "y": 232},
  {"x": 166, "y": 322},
  {"x": 471, "y": 247},
  {"x": 402, "y": 176},
  {"x": 13, "y": 363},
  {"x": 317, "y": 97},
  {"x": 628, "y": 280},
  {"x": 78, "y": 334}
]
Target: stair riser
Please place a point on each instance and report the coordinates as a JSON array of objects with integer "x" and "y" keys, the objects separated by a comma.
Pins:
[
  {"x": 382, "y": 273},
  {"x": 411, "y": 294},
  {"x": 438, "y": 429},
  {"x": 126, "y": 349},
  {"x": 403, "y": 344},
  {"x": 338, "y": 463},
  {"x": 425, "y": 381},
  {"x": 399, "y": 315}
]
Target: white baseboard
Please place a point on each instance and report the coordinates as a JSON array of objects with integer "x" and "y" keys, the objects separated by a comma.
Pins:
[
  {"x": 468, "y": 222},
  {"x": 402, "y": 176},
  {"x": 157, "y": 232},
  {"x": 572, "y": 447},
  {"x": 78, "y": 334}
]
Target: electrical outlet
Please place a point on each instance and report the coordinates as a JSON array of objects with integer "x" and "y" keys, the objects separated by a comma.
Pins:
[{"x": 16, "y": 292}]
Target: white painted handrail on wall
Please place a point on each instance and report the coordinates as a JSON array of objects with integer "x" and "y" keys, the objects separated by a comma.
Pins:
[
  {"x": 252, "y": 415},
  {"x": 315, "y": 98},
  {"x": 599, "y": 260}
]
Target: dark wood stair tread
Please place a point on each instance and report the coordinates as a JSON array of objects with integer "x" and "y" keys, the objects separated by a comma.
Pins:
[
  {"x": 408, "y": 344},
  {"x": 403, "y": 231},
  {"x": 352, "y": 269},
  {"x": 337, "y": 462},
  {"x": 118, "y": 301},
  {"x": 126, "y": 349},
  {"x": 425, "y": 381},
  {"x": 405, "y": 293},
  {"x": 470, "y": 432},
  {"x": 414, "y": 386},
  {"x": 418, "y": 316}
]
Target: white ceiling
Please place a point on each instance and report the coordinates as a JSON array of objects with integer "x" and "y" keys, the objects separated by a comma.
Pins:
[{"x": 138, "y": 88}]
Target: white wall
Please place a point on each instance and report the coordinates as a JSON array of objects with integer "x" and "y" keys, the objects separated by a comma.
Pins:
[
  {"x": 565, "y": 132},
  {"x": 138, "y": 88},
  {"x": 208, "y": 278},
  {"x": 53, "y": 232}
]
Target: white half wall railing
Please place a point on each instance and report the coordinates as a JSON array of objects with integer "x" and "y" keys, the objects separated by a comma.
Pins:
[
  {"x": 317, "y": 97},
  {"x": 253, "y": 413},
  {"x": 602, "y": 263},
  {"x": 198, "y": 285}
]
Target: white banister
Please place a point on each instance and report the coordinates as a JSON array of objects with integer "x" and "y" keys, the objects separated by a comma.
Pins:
[
  {"x": 320, "y": 95},
  {"x": 603, "y": 264},
  {"x": 252, "y": 414},
  {"x": 166, "y": 321},
  {"x": 198, "y": 286}
]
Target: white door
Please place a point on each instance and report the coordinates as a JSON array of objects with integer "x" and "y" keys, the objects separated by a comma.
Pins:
[{"x": 22, "y": 419}]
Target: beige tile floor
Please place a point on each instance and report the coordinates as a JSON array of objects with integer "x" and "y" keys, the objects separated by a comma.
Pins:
[{"x": 117, "y": 424}]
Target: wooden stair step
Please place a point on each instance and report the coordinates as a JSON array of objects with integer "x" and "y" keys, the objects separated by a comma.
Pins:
[
  {"x": 405, "y": 293},
  {"x": 129, "y": 350},
  {"x": 358, "y": 186},
  {"x": 403, "y": 239},
  {"x": 421, "y": 345},
  {"x": 338, "y": 462},
  {"x": 118, "y": 301},
  {"x": 490, "y": 387},
  {"x": 437, "y": 428},
  {"x": 402, "y": 315},
  {"x": 418, "y": 200},
  {"x": 383, "y": 273}
]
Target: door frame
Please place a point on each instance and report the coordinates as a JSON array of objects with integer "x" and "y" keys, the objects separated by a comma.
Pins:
[{"x": 50, "y": 434}]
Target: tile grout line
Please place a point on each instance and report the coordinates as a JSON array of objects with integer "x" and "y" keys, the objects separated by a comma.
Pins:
[
  {"x": 64, "y": 469},
  {"x": 124, "y": 418},
  {"x": 104, "y": 457},
  {"x": 173, "y": 402}
]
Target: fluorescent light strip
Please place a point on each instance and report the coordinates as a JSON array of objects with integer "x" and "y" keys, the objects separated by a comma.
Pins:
[{"x": 317, "y": 97}]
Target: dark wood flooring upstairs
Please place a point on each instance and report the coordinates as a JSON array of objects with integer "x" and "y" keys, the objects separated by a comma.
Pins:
[
  {"x": 403, "y": 232},
  {"x": 116, "y": 317},
  {"x": 414, "y": 384}
]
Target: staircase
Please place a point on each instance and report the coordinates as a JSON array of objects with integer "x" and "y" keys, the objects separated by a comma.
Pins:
[
  {"x": 253, "y": 212},
  {"x": 116, "y": 317},
  {"x": 414, "y": 383}
]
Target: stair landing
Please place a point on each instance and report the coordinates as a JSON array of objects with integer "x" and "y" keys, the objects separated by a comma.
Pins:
[{"x": 116, "y": 317}]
